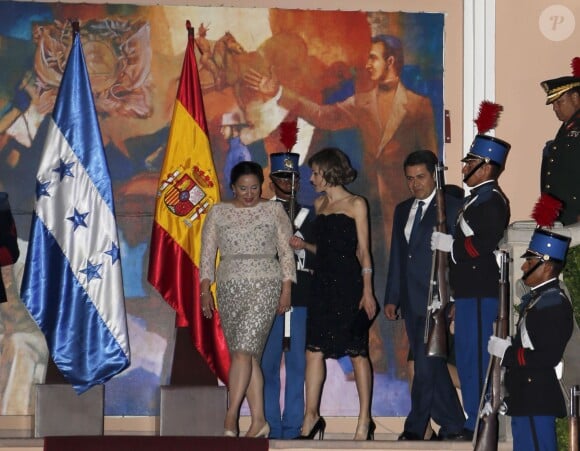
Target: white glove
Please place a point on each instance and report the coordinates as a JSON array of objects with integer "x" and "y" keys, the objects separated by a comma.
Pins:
[
  {"x": 487, "y": 410},
  {"x": 441, "y": 242},
  {"x": 496, "y": 346}
]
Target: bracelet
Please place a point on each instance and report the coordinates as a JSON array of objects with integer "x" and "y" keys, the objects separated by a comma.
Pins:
[{"x": 366, "y": 271}]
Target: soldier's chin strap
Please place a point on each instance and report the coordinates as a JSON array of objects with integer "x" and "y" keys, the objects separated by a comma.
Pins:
[
  {"x": 289, "y": 192},
  {"x": 533, "y": 268},
  {"x": 474, "y": 170}
]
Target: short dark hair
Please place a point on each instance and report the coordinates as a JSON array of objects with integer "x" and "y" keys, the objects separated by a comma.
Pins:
[
  {"x": 556, "y": 267},
  {"x": 426, "y": 157},
  {"x": 392, "y": 47},
  {"x": 335, "y": 166},
  {"x": 246, "y": 168}
]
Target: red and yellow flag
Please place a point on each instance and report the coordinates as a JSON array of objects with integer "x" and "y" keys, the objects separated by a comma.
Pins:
[{"x": 188, "y": 188}]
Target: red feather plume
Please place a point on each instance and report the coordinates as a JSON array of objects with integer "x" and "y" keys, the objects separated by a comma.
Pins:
[
  {"x": 488, "y": 116},
  {"x": 546, "y": 210},
  {"x": 289, "y": 134},
  {"x": 575, "y": 64}
]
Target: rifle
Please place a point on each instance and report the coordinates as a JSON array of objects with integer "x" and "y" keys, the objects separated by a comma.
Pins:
[
  {"x": 573, "y": 419},
  {"x": 487, "y": 428},
  {"x": 288, "y": 315},
  {"x": 435, "y": 337}
]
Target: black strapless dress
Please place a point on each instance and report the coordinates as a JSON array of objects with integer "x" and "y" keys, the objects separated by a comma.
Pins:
[{"x": 336, "y": 289}]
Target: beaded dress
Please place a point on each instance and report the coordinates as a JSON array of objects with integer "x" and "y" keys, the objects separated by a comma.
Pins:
[
  {"x": 336, "y": 290},
  {"x": 255, "y": 257}
]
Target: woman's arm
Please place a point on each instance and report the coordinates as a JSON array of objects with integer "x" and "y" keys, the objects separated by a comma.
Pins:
[{"x": 360, "y": 215}]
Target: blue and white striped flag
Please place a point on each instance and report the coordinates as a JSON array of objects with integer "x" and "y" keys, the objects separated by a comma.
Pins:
[{"x": 72, "y": 283}]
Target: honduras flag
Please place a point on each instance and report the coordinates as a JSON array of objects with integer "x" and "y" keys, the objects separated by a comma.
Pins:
[{"x": 72, "y": 283}]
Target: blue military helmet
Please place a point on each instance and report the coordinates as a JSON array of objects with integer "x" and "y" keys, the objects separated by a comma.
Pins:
[
  {"x": 547, "y": 245},
  {"x": 284, "y": 164},
  {"x": 488, "y": 148}
]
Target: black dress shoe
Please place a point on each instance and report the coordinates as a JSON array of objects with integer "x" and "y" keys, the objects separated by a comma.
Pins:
[
  {"x": 464, "y": 436},
  {"x": 407, "y": 435}
]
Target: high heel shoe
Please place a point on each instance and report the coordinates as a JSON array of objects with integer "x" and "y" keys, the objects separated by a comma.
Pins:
[
  {"x": 263, "y": 433},
  {"x": 370, "y": 435},
  {"x": 318, "y": 427},
  {"x": 229, "y": 433}
]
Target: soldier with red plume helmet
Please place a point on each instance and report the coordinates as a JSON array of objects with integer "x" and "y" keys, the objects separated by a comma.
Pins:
[{"x": 473, "y": 269}]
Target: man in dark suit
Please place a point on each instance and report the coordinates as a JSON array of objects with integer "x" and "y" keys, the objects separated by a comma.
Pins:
[
  {"x": 531, "y": 358},
  {"x": 473, "y": 268},
  {"x": 432, "y": 394}
]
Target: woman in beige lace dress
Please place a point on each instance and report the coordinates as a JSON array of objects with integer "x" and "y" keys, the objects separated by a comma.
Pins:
[{"x": 254, "y": 280}]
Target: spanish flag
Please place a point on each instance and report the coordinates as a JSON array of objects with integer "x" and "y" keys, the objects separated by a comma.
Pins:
[{"x": 188, "y": 188}]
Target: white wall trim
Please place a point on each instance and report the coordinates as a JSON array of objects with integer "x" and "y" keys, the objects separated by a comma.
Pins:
[{"x": 478, "y": 61}]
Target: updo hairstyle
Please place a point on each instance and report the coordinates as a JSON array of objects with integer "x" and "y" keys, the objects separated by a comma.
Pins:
[
  {"x": 246, "y": 168},
  {"x": 334, "y": 166}
]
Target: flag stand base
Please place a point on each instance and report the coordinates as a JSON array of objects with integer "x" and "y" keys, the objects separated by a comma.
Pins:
[
  {"x": 192, "y": 411},
  {"x": 193, "y": 404},
  {"x": 59, "y": 411}
]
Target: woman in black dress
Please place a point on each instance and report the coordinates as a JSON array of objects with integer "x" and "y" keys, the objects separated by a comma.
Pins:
[{"x": 342, "y": 286}]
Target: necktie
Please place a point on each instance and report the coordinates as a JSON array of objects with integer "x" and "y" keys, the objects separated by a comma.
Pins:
[{"x": 417, "y": 219}]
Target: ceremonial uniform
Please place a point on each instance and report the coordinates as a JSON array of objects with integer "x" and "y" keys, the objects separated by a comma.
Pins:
[
  {"x": 286, "y": 424},
  {"x": 474, "y": 273},
  {"x": 532, "y": 357},
  {"x": 543, "y": 330},
  {"x": 560, "y": 163}
]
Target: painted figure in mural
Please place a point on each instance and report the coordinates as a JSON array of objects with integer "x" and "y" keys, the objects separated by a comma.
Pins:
[
  {"x": 473, "y": 269},
  {"x": 530, "y": 357},
  {"x": 254, "y": 281},
  {"x": 286, "y": 424},
  {"x": 232, "y": 124},
  {"x": 393, "y": 121},
  {"x": 9, "y": 251},
  {"x": 341, "y": 291},
  {"x": 206, "y": 58},
  {"x": 24, "y": 353},
  {"x": 561, "y": 156},
  {"x": 409, "y": 279}
]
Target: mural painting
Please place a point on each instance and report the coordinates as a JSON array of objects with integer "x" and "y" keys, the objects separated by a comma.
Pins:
[{"x": 258, "y": 68}]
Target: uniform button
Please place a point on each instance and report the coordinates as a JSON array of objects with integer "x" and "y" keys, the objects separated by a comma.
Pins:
[
  {"x": 551, "y": 160},
  {"x": 574, "y": 197},
  {"x": 474, "y": 267},
  {"x": 529, "y": 379},
  {"x": 410, "y": 256},
  {"x": 548, "y": 173},
  {"x": 547, "y": 186}
]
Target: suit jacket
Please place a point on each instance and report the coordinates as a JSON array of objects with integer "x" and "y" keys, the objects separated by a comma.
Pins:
[
  {"x": 410, "y": 263},
  {"x": 410, "y": 127},
  {"x": 480, "y": 227}
]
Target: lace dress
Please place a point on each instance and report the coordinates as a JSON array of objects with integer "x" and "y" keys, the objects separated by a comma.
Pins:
[
  {"x": 255, "y": 257},
  {"x": 336, "y": 290}
]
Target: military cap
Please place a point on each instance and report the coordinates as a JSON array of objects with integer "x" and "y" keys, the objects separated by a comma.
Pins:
[
  {"x": 284, "y": 164},
  {"x": 547, "y": 245},
  {"x": 488, "y": 148},
  {"x": 557, "y": 86}
]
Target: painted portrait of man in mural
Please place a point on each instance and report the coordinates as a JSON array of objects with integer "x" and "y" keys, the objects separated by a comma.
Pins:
[{"x": 367, "y": 82}]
